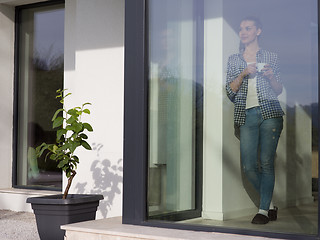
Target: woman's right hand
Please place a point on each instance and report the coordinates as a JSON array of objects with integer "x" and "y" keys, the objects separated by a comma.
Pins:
[
  {"x": 235, "y": 84},
  {"x": 250, "y": 70}
]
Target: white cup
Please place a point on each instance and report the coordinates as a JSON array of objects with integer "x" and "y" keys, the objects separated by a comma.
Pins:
[{"x": 260, "y": 66}]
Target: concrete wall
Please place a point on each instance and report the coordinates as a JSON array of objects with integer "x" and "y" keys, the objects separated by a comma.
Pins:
[
  {"x": 6, "y": 92},
  {"x": 94, "y": 63}
]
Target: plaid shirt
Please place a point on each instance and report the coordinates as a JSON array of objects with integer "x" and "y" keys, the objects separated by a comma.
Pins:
[{"x": 268, "y": 101}]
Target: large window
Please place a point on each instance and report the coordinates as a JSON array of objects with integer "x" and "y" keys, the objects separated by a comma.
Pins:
[
  {"x": 39, "y": 74},
  {"x": 228, "y": 126},
  {"x": 175, "y": 102},
  {"x": 240, "y": 159}
]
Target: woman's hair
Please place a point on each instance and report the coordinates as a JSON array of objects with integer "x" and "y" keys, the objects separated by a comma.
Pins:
[{"x": 257, "y": 23}]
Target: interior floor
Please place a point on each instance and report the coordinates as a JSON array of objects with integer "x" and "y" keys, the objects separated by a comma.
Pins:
[{"x": 299, "y": 220}]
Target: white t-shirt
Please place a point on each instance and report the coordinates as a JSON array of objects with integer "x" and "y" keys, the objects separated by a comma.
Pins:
[{"x": 252, "y": 96}]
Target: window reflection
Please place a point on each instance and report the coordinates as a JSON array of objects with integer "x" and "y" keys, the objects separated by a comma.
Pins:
[
  {"x": 172, "y": 112},
  {"x": 288, "y": 54},
  {"x": 41, "y": 48}
]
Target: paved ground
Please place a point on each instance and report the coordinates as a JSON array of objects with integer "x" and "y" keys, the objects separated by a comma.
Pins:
[{"x": 17, "y": 226}]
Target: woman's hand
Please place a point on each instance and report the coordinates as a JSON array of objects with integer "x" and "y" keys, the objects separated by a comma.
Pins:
[
  {"x": 250, "y": 69},
  {"x": 268, "y": 73}
]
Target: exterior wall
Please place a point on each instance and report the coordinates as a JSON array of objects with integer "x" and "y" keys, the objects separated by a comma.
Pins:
[
  {"x": 94, "y": 63},
  {"x": 6, "y": 92}
]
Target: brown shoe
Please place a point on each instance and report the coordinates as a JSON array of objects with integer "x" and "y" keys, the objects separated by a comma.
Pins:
[{"x": 273, "y": 214}]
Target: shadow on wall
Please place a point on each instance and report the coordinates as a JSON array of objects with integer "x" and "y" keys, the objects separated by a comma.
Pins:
[
  {"x": 7, "y": 11},
  {"x": 107, "y": 179}
]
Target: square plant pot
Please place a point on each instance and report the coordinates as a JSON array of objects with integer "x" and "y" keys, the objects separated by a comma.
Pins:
[{"x": 52, "y": 211}]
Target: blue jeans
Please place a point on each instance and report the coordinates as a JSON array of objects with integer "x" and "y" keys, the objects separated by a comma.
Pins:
[{"x": 258, "y": 145}]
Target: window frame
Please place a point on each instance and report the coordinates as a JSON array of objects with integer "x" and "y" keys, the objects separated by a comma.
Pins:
[
  {"x": 17, "y": 24},
  {"x": 136, "y": 130}
]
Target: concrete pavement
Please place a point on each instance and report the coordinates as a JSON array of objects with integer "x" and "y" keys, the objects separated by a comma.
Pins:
[{"x": 17, "y": 226}]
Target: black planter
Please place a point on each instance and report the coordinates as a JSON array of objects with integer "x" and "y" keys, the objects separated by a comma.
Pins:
[{"x": 52, "y": 211}]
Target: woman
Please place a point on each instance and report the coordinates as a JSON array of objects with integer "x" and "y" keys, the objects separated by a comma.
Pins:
[{"x": 257, "y": 112}]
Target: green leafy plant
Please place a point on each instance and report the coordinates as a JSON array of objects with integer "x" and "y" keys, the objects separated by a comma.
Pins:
[{"x": 70, "y": 135}]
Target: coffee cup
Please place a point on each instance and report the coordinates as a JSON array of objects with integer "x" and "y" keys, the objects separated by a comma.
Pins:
[{"x": 260, "y": 66}]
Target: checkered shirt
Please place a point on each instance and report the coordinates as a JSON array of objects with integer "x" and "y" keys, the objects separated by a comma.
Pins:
[{"x": 267, "y": 98}]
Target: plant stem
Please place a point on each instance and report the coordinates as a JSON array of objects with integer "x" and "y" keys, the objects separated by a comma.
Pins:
[{"x": 65, "y": 194}]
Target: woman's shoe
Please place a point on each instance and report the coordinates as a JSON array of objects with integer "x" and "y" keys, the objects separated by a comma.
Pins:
[
  {"x": 273, "y": 214},
  {"x": 260, "y": 219}
]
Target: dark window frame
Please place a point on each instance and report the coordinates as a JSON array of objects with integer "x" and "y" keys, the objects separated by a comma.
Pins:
[
  {"x": 18, "y": 10},
  {"x": 136, "y": 129}
]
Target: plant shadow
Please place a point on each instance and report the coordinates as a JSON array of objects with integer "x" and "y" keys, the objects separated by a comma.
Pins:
[{"x": 107, "y": 179}]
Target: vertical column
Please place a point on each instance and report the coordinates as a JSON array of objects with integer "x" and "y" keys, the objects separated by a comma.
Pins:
[
  {"x": 6, "y": 91},
  {"x": 213, "y": 111}
]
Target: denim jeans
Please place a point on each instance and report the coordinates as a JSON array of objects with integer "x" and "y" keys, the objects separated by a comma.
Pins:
[{"x": 258, "y": 145}]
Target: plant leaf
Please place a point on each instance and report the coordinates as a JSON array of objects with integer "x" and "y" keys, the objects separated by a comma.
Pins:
[
  {"x": 56, "y": 114},
  {"x": 83, "y": 136},
  {"x": 61, "y": 132},
  {"x": 88, "y": 127},
  {"x": 86, "y": 145},
  {"x": 77, "y": 127},
  {"x": 87, "y": 111},
  {"x": 86, "y": 104},
  {"x": 40, "y": 149},
  {"x": 65, "y": 146},
  {"x": 61, "y": 164},
  {"x": 57, "y": 122},
  {"x": 71, "y": 120},
  {"x": 73, "y": 112},
  {"x": 75, "y": 158},
  {"x": 70, "y": 128},
  {"x": 73, "y": 146}
]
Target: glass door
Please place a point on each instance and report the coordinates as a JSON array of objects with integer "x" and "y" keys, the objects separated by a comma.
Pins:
[{"x": 175, "y": 109}]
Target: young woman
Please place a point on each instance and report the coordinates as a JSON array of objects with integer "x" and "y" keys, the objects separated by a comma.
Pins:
[{"x": 253, "y": 84}]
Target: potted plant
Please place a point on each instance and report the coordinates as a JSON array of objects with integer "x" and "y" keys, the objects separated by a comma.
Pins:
[{"x": 55, "y": 210}]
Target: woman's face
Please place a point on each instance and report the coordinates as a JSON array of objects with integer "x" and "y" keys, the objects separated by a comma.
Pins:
[{"x": 248, "y": 32}]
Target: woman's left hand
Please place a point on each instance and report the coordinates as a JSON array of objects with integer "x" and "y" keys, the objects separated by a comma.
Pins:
[{"x": 268, "y": 72}]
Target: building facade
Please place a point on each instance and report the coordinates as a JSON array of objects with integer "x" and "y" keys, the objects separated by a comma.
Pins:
[
  {"x": 80, "y": 30},
  {"x": 166, "y": 152}
]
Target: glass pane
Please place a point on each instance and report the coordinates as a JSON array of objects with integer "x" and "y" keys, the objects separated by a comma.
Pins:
[
  {"x": 260, "y": 112},
  {"x": 172, "y": 106},
  {"x": 41, "y": 49}
]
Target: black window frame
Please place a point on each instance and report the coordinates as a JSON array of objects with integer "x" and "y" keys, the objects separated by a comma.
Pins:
[
  {"x": 17, "y": 24},
  {"x": 136, "y": 130}
]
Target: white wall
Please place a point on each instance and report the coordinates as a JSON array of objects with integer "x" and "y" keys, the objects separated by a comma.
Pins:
[
  {"x": 212, "y": 135},
  {"x": 222, "y": 175},
  {"x": 6, "y": 93},
  {"x": 94, "y": 63}
]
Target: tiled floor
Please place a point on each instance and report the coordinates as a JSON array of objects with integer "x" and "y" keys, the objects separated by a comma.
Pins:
[{"x": 302, "y": 219}]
